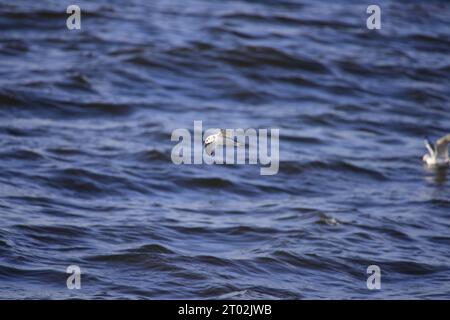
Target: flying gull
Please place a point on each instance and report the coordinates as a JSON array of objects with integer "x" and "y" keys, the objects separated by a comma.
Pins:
[{"x": 219, "y": 139}]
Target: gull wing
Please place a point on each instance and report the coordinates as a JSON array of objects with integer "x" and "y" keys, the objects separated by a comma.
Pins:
[
  {"x": 223, "y": 133},
  {"x": 228, "y": 140},
  {"x": 429, "y": 146},
  {"x": 442, "y": 146}
]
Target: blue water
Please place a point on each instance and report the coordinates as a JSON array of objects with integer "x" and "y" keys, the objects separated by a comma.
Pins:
[{"x": 87, "y": 178}]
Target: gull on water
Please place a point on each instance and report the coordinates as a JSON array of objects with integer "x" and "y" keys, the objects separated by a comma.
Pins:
[
  {"x": 437, "y": 152},
  {"x": 219, "y": 139}
]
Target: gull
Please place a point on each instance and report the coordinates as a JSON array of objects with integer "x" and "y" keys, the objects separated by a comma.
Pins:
[
  {"x": 219, "y": 139},
  {"x": 437, "y": 153}
]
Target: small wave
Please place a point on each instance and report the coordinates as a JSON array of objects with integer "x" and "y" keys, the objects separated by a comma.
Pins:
[
  {"x": 66, "y": 151},
  {"x": 297, "y": 80},
  {"x": 38, "y": 14},
  {"x": 288, "y": 20},
  {"x": 153, "y": 248},
  {"x": 290, "y": 167},
  {"x": 66, "y": 230},
  {"x": 14, "y": 47},
  {"x": 309, "y": 262},
  {"x": 153, "y": 155},
  {"x": 10, "y": 98},
  {"x": 214, "y": 182},
  {"x": 212, "y": 260},
  {"x": 255, "y": 56},
  {"x": 245, "y": 230},
  {"x": 192, "y": 230},
  {"x": 412, "y": 267},
  {"x": 152, "y": 256},
  {"x": 43, "y": 276},
  {"x": 118, "y": 109},
  {"x": 89, "y": 183},
  {"x": 143, "y": 61},
  {"x": 22, "y": 154}
]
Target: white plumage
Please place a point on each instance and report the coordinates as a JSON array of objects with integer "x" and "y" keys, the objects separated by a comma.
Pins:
[
  {"x": 218, "y": 139},
  {"x": 437, "y": 153}
]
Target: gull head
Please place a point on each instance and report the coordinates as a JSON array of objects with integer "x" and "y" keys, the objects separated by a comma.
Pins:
[{"x": 210, "y": 139}]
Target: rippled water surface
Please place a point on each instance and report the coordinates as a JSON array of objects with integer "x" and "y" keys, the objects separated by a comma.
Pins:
[{"x": 87, "y": 179}]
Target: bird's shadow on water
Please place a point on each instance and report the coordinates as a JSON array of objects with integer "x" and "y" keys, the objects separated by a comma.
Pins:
[{"x": 437, "y": 175}]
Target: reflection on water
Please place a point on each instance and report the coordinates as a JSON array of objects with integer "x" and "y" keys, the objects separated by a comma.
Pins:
[{"x": 437, "y": 175}]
